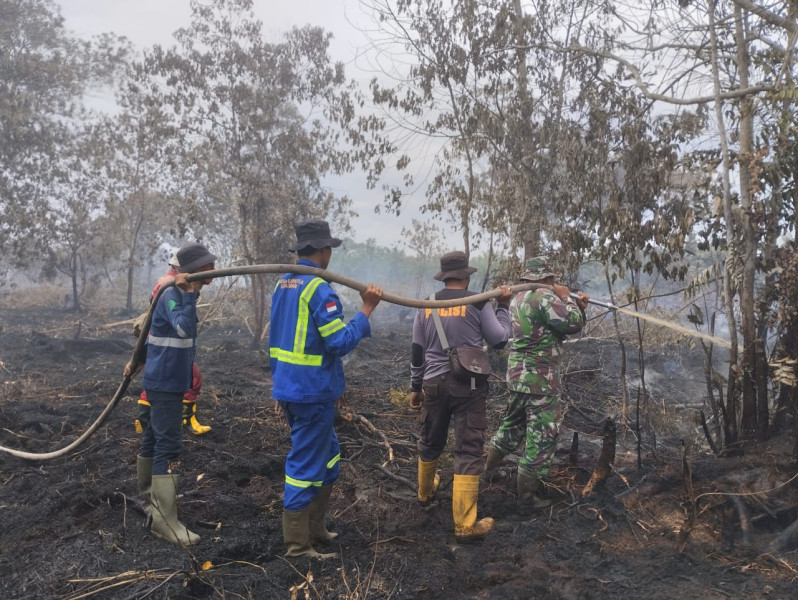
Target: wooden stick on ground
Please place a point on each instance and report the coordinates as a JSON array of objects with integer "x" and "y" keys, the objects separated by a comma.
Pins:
[{"x": 356, "y": 419}]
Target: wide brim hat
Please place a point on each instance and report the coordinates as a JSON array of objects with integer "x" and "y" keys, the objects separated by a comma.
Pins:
[
  {"x": 537, "y": 268},
  {"x": 454, "y": 265},
  {"x": 314, "y": 233},
  {"x": 192, "y": 257}
]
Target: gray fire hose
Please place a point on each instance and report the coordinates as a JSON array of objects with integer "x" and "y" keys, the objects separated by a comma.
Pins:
[{"x": 252, "y": 270}]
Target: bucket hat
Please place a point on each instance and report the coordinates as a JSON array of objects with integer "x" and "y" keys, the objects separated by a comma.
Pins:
[
  {"x": 454, "y": 265},
  {"x": 192, "y": 257},
  {"x": 314, "y": 233}
]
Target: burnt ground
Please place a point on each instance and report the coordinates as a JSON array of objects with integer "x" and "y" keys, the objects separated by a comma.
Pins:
[{"x": 71, "y": 528}]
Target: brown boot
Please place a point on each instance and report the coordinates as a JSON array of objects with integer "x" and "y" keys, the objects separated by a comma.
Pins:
[
  {"x": 492, "y": 463},
  {"x": 296, "y": 534},
  {"x": 428, "y": 481},
  {"x": 529, "y": 500},
  {"x": 464, "y": 509},
  {"x": 317, "y": 514}
]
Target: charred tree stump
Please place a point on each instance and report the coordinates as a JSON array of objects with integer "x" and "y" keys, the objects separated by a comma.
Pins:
[
  {"x": 787, "y": 540},
  {"x": 745, "y": 521},
  {"x": 606, "y": 459},
  {"x": 573, "y": 456}
]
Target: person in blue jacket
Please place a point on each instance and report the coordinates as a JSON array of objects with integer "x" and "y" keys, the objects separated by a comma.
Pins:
[
  {"x": 170, "y": 350},
  {"x": 307, "y": 339}
]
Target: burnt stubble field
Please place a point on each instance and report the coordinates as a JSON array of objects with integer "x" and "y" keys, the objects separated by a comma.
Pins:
[{"x": 72, "y": 526}]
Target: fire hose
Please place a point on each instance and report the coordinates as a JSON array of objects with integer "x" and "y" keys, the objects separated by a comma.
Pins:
[{"x": 252, "y": 270}]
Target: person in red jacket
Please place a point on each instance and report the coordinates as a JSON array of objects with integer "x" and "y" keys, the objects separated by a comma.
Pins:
[{"x": 190, "y": 398}]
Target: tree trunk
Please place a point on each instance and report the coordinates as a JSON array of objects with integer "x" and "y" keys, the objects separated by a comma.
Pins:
[
  {"x": 259, "y": 294},
  {"x": 729, "y": 291},
  {"x": 73, "y": 269},
  {"x": 622, "y": 347},
  {"x": 131, "y": 267},
  {"x": 754, "y": 420},
  {"x": 525, "y": 195}
]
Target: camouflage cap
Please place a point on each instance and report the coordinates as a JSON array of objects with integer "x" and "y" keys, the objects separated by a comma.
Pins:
[{"x": 537, "y": 268}]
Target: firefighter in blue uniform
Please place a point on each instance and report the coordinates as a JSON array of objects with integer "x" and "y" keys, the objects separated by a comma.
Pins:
[
  {"x": 167, "y": 364},
  {"x": 307, "y": 339}
]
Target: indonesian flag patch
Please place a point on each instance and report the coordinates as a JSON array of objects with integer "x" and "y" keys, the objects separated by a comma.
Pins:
[{"x": 330, "y": 307}]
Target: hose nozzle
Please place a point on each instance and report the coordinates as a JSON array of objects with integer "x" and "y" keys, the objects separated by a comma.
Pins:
[{"x": 606, "y": 305}]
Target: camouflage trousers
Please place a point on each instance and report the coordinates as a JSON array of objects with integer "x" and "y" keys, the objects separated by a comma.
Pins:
[{"x": 536, "y": 420}]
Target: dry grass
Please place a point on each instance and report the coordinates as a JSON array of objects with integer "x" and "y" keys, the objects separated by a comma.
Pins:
[{"x": 34, "y": 297}]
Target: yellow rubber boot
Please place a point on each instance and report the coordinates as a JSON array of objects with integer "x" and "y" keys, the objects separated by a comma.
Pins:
[
  {"x": 190, "y": 419},
  {"x": 464, "y": 509},
  {"x": 142, "y": 415},
  {"x": 317, "y": 513},
  {"x": 428, "y": 481}
]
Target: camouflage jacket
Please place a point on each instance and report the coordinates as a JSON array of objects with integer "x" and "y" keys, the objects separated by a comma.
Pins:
[{"x": 540, "y": 322}]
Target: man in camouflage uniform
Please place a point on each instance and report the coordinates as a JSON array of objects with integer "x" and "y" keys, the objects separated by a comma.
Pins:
[{"x": 541, "y": 319}]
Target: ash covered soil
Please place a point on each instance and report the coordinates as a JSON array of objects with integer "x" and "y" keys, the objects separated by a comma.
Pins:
[{"x": 71, "y": 527}]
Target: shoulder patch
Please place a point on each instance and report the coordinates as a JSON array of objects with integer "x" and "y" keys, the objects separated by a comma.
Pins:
[
  {"x": 171, "y": 304},
  {"x": 330, "y": 307}
]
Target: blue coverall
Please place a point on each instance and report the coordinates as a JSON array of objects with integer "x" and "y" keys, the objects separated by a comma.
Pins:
[{"x": 307, "y": 339}]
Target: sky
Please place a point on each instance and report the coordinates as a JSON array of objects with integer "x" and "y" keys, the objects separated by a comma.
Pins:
[{"x": 149, "y": 22}]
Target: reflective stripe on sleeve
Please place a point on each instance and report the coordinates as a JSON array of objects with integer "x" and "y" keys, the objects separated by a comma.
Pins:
[
  {"x": 170, "y": 342},
  {"x": 331, "y": 327}
]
